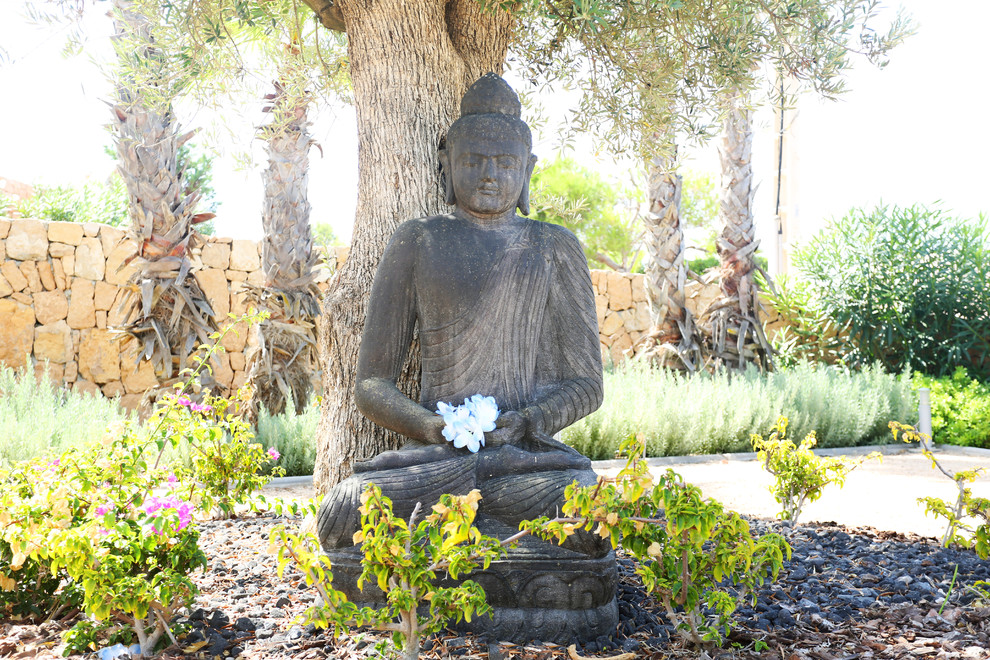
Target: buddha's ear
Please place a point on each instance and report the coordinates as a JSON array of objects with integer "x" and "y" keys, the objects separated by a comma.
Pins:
[
  {"x": 446, "y": 177},
  {"x": 523, "y": 204}
]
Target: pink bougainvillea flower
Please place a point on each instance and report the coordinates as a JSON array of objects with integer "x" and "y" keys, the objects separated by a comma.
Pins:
[
  {"x": 184, "y": 401},
  {"x": 200, "y": 407},
  {"x": 102, "y": 510},
  {"x": 172, "y": 479},
  {"x": 273, "y": 454},
  {"x": 55, "y": 463},
  {"x": 181, "y": 507},
  {"x": 184, "y": 510}
]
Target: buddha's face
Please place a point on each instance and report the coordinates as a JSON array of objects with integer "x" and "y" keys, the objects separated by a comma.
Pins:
[{"x": 488, "y": 174}]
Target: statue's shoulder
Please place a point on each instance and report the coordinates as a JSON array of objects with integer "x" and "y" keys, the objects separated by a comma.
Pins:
[
  {"x": 556, "y": 238},
  {"x": 413, "y": 231},
  {"x": 419, "y": 227}
]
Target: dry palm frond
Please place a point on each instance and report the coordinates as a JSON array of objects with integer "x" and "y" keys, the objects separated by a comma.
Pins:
[
  {"x": 165, "y": 310},
  {"x": 675, "y": 333},
  {"x": 733, "y": 321},
  {"x": 283, "y": 365}
]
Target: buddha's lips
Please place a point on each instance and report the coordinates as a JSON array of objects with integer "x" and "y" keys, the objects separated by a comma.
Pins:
[{"x": 488, "y": 191}]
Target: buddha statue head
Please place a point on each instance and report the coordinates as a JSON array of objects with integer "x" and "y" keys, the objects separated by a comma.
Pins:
[{"x": 487, "y": 161}]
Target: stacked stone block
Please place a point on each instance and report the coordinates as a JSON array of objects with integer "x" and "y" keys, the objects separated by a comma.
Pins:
[
  {"x": 623, "y": 312},
  {"x": 61, "y": 285}
]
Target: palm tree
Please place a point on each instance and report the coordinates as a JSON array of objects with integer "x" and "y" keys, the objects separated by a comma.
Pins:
[
  {"x": 674, "y": 332},
  {"x": 734, "y": 326},
  {"x": 166, "y": 311},
  {"x": 282, "y": 365}
]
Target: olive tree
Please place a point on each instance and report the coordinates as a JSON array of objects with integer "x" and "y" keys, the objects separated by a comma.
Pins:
[{"x": 647, "y": 67}]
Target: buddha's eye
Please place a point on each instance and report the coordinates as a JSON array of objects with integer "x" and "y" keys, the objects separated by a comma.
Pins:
[{"x": 507, "y": 162}]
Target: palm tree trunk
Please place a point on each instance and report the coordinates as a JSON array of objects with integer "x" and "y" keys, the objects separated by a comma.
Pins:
[
  {"x": 282, "y": 364},
  {"x": 674, "y": 330},
  {"x": 405, "y": 103},
  {"x": 736, "y": 332},
  {"x": 166, "y": 311}
]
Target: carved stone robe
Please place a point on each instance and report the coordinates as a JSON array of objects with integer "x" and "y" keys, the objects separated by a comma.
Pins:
[{"x": 517, "y": 323}]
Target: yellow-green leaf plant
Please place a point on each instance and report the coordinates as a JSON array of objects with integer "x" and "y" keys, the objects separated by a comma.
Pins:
[
  {"x": 225, "y": 465},
  {"x": 89, "y": 519},
  {"x": 404, "y": 559},
  {"x": 688, "y": 549},
  {"x": 957, "y": 531},
  {"x": 800, "y": 475}
]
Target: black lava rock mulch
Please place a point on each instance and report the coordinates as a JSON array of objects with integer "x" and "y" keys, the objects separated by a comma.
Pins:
[{"x": 846, "y": 593}]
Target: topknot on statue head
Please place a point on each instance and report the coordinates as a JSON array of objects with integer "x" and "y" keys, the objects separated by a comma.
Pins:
[
  {"x": 491, "y": 95},
  {"x": 490, "y": 109}
]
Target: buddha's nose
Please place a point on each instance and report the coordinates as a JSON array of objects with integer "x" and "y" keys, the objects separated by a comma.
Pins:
[{"x": 488, "y": 172}]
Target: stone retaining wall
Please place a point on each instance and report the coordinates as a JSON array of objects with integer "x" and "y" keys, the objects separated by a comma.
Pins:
[
  {"x": 624, "y": 311},
  {"x": 61, "y": 284}
]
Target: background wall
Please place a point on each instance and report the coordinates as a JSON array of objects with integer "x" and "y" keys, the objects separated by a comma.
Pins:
[
  {"x": 62, "y": 285},
  {"x": 61, "y": 288}
]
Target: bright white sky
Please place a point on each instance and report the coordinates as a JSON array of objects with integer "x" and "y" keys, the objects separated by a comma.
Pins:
[{"x": 913, "y": 132}]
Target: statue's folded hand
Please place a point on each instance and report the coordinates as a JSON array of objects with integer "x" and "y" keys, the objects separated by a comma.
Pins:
[{"x": 510, "y": 428}]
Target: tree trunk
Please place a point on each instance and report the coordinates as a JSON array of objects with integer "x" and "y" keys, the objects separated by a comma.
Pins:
[
  {"x": 166, "y": 311},
  {"x": 674, "y": 329},
  {"x": 409, "y": 66},
  {"x": 736, "y": 332},
  {"x": 281, "y": 366}
]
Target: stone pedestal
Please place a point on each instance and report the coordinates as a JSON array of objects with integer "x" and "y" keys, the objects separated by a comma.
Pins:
[{"x": 540, "y": 591}]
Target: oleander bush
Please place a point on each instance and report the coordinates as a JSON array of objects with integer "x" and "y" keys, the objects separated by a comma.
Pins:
[
  {"x": 704, "y": 414},
  {"x": 909, "y": 285},
  {"x": 960, "y": 408},
  {"x": 38, "y": 418}
]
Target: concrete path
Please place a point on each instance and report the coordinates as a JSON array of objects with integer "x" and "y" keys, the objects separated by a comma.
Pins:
[{"x": 877, "y": 494}]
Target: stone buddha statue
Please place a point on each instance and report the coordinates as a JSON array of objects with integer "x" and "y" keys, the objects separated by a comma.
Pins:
[{"x": 505, "y": 309}]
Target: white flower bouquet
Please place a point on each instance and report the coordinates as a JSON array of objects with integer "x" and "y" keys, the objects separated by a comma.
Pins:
[{"x": 466, "y": 424}]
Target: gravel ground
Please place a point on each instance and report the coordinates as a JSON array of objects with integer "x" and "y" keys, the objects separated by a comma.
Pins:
[
  {"x": 862, "y": 583},
  {"x": 848, "y": 593}
]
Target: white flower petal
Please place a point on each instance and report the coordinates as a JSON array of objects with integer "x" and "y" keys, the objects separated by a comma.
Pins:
[
  {"x": 479, "y": 440},
  {"x": 449, "y": 433},
  {"x": 462, "y": 439}
]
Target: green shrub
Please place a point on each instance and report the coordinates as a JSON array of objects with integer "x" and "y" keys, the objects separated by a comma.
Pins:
[
  {"x": 968, "y": 518},
  {"x": 705, "y": 414},
  {"x": 688, "y": 549},
  {"x": 93, "y": 201},
  {"x": 565, "y": 193},
  {"x": 403, "y": 559},
  {"x": 809, "y": 333},
  {"x": 960, "y": 408},
  {"x": 293, "y": 436},
  {"x": 702, "y": 264},
  {"x": 41, "y": 419},
  {"x": 227, "y": 466},
  {"x": 910, "y": 284},
  {"x": 800, "y": 475}
]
